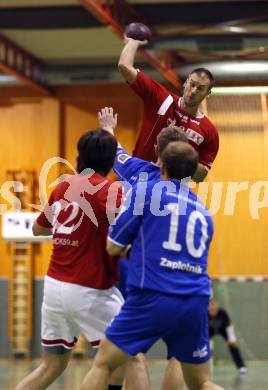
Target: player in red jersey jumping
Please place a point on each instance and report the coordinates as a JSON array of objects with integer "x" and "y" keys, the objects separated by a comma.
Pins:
[
  {"x": 161, "y": 107},
  {"x": 79, "y": 292}
]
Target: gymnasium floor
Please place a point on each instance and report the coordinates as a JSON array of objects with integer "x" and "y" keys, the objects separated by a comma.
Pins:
[{"x": 225, "y": 375}]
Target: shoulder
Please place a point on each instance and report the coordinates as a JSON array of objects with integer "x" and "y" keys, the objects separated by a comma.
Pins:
[
  {"x": 99, "y": 185},
  {"x": 154, "y": 170},
  {"x": 143, "y": 77},
  {"x": 111, "y": 184},
  {"x": 122, "y": 156},
  {"x": 209, "y": 126},
  {"x": 61, "y": 188},
  {"x": 145, "y": 83}
]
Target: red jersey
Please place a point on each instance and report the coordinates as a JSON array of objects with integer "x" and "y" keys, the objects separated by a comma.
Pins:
[
  {"x": 79, "y": 210},
  {"x": 160, "y": 108}
]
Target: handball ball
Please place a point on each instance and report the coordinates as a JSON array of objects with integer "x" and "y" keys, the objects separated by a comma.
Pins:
[{"x": 138, "y": 31}]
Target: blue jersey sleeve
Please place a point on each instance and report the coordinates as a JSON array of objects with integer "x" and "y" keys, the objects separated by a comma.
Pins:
[
  {"x": 127, "y": 223},
  {"x": 128, "y": 167}
]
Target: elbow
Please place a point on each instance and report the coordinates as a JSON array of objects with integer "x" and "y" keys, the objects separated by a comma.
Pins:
[
  {"x": 200, "y": 174},
  {"x": 110, "y": 250},
  {"x": 198, "y": 179},
  {"x": 122, "y": 67},
  {"x": 127, "y": 71},
  {"x": 113, "y": 250},
  {"x": 108, "y": 247},
  {"x": 35, "y": 230}
]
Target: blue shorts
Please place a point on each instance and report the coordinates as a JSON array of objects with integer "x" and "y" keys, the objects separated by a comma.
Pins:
[
  {"x": 123, "y": 271},
  {"x": 147, "y": 316}
]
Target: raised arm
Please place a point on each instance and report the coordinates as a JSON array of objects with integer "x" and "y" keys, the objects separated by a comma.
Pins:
[
  {"x": 125, "y": 165},
  {"x": 127, "y": 58}
]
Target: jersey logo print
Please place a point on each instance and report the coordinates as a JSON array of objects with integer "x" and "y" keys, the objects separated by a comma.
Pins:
[
  {"x": 179, "y": 265},
  {"x": 179, "y": 113},
  {"x": 122, "y": 158},
  {"x": 183, "y": 118},
  {"x": 194, "y": 136},
  {"x": 195, "y": 121},
  {"x": 200, "y": 353}
]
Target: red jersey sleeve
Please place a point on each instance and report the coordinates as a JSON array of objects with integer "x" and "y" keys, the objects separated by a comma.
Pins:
[
  {"x": 209, "y": 150},
  {"x": 152, "y": 92}
]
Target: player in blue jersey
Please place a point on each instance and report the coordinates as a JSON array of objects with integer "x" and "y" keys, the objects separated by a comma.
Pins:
[
  {"x": 131, "y": 170},
  {"x": 170, "y": 231}
]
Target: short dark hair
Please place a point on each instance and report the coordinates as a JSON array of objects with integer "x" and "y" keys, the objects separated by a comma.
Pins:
[
  {"x": 96, "y": 150},
  {"x": 169, "y": 134},
  {"x": 179, "y": 160},
  {"x": 205, "y": 71}
]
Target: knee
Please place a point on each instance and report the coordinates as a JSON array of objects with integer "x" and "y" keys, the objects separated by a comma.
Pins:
[
  {"x": 139, "y": 360},
  {"x": 136, "y": 364},
  {"x": 19, "y": 386},
  {"x": 208, "y": 385},
  {"x": 55, "y": 367},
  {"x": 104, "y": 366}
]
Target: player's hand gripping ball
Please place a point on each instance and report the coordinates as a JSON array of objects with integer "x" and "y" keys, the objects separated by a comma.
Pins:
[{"x": 138, "y": 31}]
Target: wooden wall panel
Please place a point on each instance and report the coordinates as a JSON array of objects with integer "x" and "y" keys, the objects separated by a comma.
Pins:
[
  {"x": 29, "y": 136},
  {"x": 78, "y": 121},
  {"x": 240, "y": 242},
  {"x": 83, "y": 116}
]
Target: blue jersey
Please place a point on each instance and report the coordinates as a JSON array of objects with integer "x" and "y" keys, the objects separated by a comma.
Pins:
[
  {"x": 133, "y": 169},
  {"x": 170, "y": 231}
]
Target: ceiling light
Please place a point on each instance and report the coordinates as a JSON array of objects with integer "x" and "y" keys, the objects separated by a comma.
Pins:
[{"x": 235, "y": 29}]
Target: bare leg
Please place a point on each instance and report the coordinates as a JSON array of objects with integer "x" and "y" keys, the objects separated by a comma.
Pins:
[
  {"x": 108, "y": 358},
  {"x": 118, "y": 376},
  {"x": 137, "y": 377},
  {"x": 173, "y": 379},
  {"x": 51, "y": 367},
  {"x": 197, "y": 376}
]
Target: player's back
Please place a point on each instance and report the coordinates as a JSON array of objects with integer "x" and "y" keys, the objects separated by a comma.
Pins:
[
  {"x": 171, "y": 251},
  {"x": 80, "y": 224}
]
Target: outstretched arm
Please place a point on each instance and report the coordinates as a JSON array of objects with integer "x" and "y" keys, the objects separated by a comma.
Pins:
[
  {"x": 127, "y": 58},
  {"x": 125, "y": 165}
]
